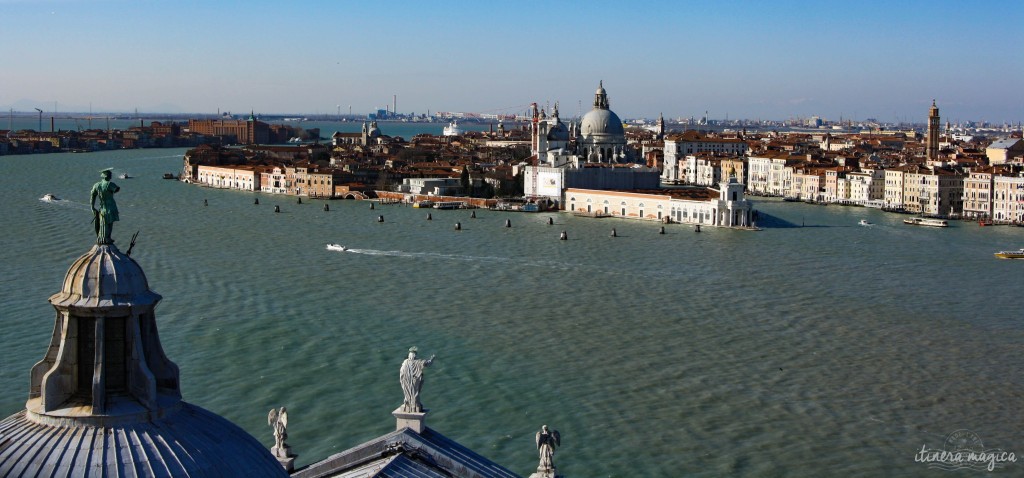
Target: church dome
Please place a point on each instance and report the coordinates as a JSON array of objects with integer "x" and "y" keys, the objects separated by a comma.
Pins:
[
  {"x": 189, "y": 442},
  {"x": 116, "y": 409},
  {"x": 601, "y": 122},
  {"x": 104, "y": 277},
  {"x": 558, "y": 132}
]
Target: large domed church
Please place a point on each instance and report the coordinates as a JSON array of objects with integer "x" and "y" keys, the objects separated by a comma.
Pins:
[
  {"x": 598, "y": 138},
  {"x": 601, "y": 136}
]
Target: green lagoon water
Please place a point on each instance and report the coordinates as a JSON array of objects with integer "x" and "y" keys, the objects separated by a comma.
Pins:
[{"x": 825, "y": 350}]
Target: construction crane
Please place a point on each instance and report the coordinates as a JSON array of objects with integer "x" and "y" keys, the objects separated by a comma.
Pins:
[{"x": 40, "y": 120}]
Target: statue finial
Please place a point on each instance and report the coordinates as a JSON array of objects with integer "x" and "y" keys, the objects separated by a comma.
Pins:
[
  {"x": 547, "y": 440},
  {"x": 104, "y": 217},
  {"x": 411, "y": 377},
  {"x": 278, "y": 420}
]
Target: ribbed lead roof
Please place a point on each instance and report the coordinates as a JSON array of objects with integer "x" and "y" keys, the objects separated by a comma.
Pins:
[{"x": 191, "y": 443}]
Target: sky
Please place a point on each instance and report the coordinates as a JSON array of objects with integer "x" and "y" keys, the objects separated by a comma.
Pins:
[{"x": 734, "y": 59}]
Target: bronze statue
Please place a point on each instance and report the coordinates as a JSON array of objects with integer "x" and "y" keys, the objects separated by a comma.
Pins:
[{"x": 104, "y": 217}]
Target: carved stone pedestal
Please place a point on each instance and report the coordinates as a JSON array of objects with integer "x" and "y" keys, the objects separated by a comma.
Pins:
[
  {"x": 549, "y": 473},
  {"x": 284, "y": 457},
  {"x": 411, "y": 420}
]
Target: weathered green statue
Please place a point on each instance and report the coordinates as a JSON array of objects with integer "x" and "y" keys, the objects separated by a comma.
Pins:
[{"x": 103, "y": 218}]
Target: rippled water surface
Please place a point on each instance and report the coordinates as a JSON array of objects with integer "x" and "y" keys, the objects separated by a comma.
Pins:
[{"x": 827, "y": 349}]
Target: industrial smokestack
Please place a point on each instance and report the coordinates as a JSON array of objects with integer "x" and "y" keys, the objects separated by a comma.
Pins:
[{"x": 394, "y": 106}]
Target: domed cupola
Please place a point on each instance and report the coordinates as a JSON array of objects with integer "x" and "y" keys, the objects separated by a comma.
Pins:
[
  {"x": 106, "y": 401},
  {"x": 602, "y": 137},
  {"x": 105, "y": 277}
]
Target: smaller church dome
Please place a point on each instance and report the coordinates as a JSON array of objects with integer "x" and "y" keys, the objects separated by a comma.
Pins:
[
  {"x": 104, "y": 277},
  {"x": 558, "y": 132}
]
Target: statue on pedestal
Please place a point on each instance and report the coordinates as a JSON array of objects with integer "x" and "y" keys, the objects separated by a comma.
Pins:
[
  {"x": 278, "y": 420},
  {"x": 104, "y": 217},
  {"x": 547, "y": 441},
  {"x": 411, "y": 376}
]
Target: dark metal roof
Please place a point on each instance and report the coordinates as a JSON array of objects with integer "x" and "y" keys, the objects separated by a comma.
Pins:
[{"x": 407, "y": 454}]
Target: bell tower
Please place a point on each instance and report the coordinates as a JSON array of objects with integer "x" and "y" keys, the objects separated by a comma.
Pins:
[{"x": 932, "y": 146}]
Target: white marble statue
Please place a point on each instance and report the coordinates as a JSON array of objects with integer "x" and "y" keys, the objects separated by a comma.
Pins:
[
  {"x": 547, "y": 441},
  {"x": 411, "y": 376},
  {"x": 278, "y": 420}
]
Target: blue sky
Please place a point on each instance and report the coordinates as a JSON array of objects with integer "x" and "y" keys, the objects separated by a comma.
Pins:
[{"x": 756, "y": 59}]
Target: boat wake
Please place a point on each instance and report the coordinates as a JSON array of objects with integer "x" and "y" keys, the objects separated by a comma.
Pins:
[
  {"x": 429, "y": 255},
  {"x": 66, "y": 203}
]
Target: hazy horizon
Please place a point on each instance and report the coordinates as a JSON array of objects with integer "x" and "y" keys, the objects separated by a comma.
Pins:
[{"x": 776, "y": 61}]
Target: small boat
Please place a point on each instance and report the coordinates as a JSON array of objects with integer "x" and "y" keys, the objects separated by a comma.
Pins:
[
  {"x": 170, "y": 176},
  {"x": 336, "y": 247},
  {"x": 1019, "y": 254},
  {"x": 49, "y": 198},
  {"x": 449, "y": 205},
  {"x": 423, "y": 204},
  {"x": 864, "y": 222},
  {"x": 926, "y": 221},
  {"x": 124, "y": 176}
]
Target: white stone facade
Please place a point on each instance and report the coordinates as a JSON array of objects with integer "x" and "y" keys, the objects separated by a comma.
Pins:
[{"x": 236, "y": 177}]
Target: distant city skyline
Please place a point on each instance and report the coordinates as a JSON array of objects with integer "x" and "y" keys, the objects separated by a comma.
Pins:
[{"x": 753, "y": 60}]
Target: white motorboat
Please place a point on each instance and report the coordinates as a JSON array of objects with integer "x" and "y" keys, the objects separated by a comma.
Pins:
[
  {"x": 336, "y": 247},
  {"x": 49, "y": 198},
  {"x": 1018, "y": 254},
  {"x": 125, "y": 176},
  {"x": 864, "y": 222}
]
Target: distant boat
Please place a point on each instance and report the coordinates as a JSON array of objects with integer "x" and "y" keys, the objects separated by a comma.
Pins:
[
  {"x": 452, "y": 129},
  {"x": 170, "y": 176},
  {"x": 423, "y": 204},
  {"x": 124, "y": 176},
  {"x": 926, "y": 221},
  {"x": 864, "y": 222},
  {"x": 1018, "y": 254},
  {"x": 49, "y": 198},
  {"x": 336, "y": 247},
  {"x": 449, "y": 205}
]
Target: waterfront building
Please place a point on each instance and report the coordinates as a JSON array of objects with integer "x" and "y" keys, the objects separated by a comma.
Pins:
[
  {"x": 977, "y": 200},
  {"x": 277, "y": 180},
  {"x": 250, "y": 131},
  {"x": 241, "y": 177},
  {"x": 1008, "y": 198},
  {"x": 725, "y": 207},
  {"x": 866, "y": 187},
  {"x": 772, "y": 174},
  {"x": 895, "y": 178},
  {"x": 806, "y": 184},
  {"x": 679, "y": 146}
]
